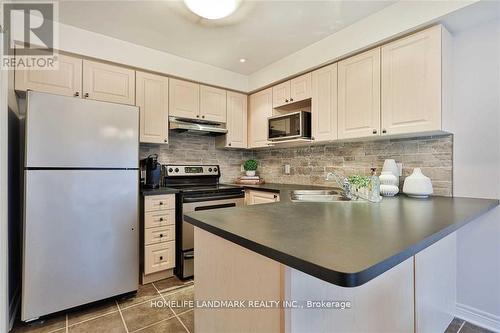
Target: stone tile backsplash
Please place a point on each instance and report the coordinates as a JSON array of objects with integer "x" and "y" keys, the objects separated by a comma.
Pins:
[
  {"x": 188, "y": 148},
  {"x": 309, "y": 164}
]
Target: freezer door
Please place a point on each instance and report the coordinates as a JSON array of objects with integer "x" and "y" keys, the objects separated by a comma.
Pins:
[
  {"x": 64, "y": 131},
  {"x": 81, "y": 240}
]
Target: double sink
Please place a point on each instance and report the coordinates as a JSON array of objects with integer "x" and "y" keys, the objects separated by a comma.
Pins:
[{"x": 333, "y": 195}]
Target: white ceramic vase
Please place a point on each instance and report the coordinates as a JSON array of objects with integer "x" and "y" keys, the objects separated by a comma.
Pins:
[
  {"x": 417, "y": 185},
  {"x": 250, "y": 173},
  {"x": 389, "y": 190},
  {"x": 388, "y": 178},
  {"x": 391, "y": 165}
]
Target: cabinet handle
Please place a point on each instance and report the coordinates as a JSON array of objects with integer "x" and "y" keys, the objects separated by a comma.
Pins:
[
  {"x": 76, "y": 94},
  {"x": 161, "y": 257},
  {"x": 275, "y": 196},
  {"x": 312, "y": 138},
  {"x": 384, "y": 131},
  {"x": 291, "y": 99},
  {"x": 203, "y": 117},
  {"x": 286, "y": 100},
  {"x": 86, "y": 95},
  {"x": 374, "y": 131},
  {"x": 161, "y": 235},
  {"x": 165, "y": 140},
  {"x": 229, "y": 144},
  {"x": 161, "y": 219},
  {"x": 161, "y": 203},
  {"x": 197, "y": 116}
]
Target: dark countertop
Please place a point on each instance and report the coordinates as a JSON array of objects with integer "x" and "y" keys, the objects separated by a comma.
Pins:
[
  {"x": 343, "y": 243},
  {"x": 158, "y": 191}
]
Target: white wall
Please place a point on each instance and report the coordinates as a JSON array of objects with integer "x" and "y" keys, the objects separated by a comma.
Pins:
[
  {"x": 390, "y": 22},
  {"x": 476, "y": 125}
]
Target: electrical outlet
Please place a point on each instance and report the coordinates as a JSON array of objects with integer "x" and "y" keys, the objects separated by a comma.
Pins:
[
  {"x": 400, "y": 168},
  {"x": 287, "y": 169}
]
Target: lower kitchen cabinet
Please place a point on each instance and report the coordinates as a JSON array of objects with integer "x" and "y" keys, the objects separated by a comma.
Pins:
[
  {"x": 253, "y": 197},
  {"x": 158, "y": 237}
]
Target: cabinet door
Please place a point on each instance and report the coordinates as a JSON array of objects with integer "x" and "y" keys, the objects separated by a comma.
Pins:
[
  {"x": 411, "y": 83},
  {"x": 66, "y": 80},
  {"x": 184, "y": 99},
  {"x": 261, "y": 108},
  {"x": 158, "y": 257},
  {"x": 213, "y": 104},
  {"x": 108, "y": 83},
  {"x": 300, "y": 88},
  {"x": 236, "y": 120},
  {"x": 152, "y": 100},
  {"x": 281, "y": 94},
  {"x": 324, "y": 103},
  {"x": 359, "y": 95},
  {"x": 261, "y": 197}
]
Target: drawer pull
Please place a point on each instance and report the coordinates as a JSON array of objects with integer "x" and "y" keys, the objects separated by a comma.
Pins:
[
  {"x": 161, "y": 257},
  {"x": 161, "y": 219},
  {"x": 161, "y": 235},
  {"x": 161, "y": 203}
]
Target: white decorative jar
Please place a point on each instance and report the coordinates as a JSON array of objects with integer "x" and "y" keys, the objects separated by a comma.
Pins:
[
  {"x": 391, "y": 165},
  {"x": 417, "y": 185},
  {"x": 389, "y": 190},
  {"x": 250, "y": 173},
  {"x": 388, "y": 178}
]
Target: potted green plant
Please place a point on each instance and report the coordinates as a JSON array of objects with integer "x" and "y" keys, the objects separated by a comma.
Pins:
[{"x": 250, "y": 166}]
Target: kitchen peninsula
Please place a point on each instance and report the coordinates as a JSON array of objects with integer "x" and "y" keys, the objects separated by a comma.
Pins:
[{"x": 395, "y": 258}]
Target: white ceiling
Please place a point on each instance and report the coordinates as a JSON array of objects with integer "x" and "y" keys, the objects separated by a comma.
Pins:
[{"x": 260, "y": 31}]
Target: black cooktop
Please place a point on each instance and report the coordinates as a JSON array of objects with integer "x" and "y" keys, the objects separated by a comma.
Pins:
[{"x": 204, "y": 188}]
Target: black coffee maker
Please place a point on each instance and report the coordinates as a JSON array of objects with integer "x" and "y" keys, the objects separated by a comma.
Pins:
[{"x": 153, "y": 171}]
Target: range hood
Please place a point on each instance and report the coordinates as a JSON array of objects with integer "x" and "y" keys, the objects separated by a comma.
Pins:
[{"x": 200, "y": 126}]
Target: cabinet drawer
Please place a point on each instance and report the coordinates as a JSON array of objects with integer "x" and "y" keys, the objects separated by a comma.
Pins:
[
  {"x": 159, "y": 202},
  {"x": 159, "y": 257},
  {"x": 159, "y": 234},
  {"x": 159, "y": 218}
]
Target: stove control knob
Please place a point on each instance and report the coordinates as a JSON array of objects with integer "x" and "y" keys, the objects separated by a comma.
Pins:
[
  {"x": 209, "y": 169},
  {"x": 215, "y": 169},
  {"x": 170, "y": 169},
  {"x": 176, "y": 169}
]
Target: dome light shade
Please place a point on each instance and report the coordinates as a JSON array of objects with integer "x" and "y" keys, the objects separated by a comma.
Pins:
[{"x": 212, "y": 9}]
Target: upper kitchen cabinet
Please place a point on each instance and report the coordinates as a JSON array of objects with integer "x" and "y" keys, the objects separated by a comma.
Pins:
[
  {"x": 359, "y": 95},
  {"x": 66, "y": 80},
  {"x": 294, "y": 90},
  {"x": 261, "y": 108},
  {"x": 152, "y": 100},
  {"x": 281, "y": 94},
  {"x": 236, "y": 125},
  {"x": 213, "y": 104},
  {"x": 413, "y": 71},
  {"x": 184, "y": 99},
  {"x": 324, "y": 104},
  {"x": 109, "y": 83}
]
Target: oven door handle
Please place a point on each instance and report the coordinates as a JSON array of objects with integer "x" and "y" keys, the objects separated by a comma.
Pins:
[{"x": 213, "y": 198}]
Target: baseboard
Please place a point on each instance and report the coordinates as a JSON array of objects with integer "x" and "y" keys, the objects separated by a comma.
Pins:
[
  {"x": 14, "y": 304},
  {"x": 478, "y": 317}
]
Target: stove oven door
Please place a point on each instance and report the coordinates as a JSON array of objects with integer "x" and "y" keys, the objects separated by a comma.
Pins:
[{"x": 199, "y": 204}]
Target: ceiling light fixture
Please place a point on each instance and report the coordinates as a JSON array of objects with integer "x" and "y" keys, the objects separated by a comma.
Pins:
[
  {"x": 242, "y": 60},
  {"x": 212, "y": 9}
]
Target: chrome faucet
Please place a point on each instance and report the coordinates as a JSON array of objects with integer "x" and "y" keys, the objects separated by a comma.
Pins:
[{"x": 342, "y": 182}]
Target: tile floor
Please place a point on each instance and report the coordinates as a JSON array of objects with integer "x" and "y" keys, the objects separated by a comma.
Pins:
[
  {"x": 136, "y": 314},
  {"x": 129, "y": 315}
]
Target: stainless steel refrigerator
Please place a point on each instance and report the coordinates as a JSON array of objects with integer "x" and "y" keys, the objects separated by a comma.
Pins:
[{"x": 80, "y": 232}]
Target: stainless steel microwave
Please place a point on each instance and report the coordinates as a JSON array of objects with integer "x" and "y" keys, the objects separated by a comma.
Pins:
[{"x": 295, "y": 125}]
